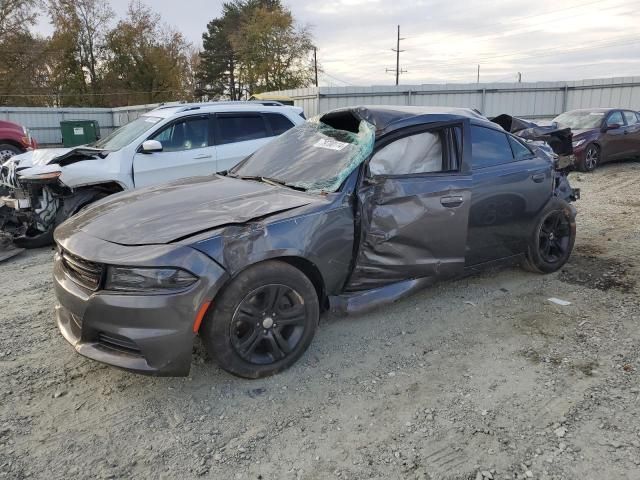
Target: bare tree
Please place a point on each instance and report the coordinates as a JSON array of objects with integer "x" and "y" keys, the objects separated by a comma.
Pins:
[
  {"x": 16, "y": 16},
  {"x": 81, "y": 27}
]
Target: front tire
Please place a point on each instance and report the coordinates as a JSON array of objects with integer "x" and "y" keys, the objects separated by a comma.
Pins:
[
  {"x": 552, "y": 241},
  {"x": 591, "y": 158},
  {"x": 7, "y": 151},
  {"x": 263, "y": 321}
]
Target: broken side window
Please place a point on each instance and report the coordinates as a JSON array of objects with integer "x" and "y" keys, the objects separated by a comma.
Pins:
[{"x": 420, "y": 153}]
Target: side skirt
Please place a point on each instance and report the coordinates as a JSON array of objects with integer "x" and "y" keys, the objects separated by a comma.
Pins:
[{"x": 358, "y": 302}]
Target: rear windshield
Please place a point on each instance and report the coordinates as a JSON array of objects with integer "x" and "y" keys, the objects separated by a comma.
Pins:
[
  {"x": 123, "y": 136},
  {"x": 580, "y": 120},
  {"x": 313, "y": 156}
]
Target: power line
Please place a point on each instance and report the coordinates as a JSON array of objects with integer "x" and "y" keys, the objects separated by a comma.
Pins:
[
  {"x": 532, "y": 54},
  {"x": 337, "y": 79}
]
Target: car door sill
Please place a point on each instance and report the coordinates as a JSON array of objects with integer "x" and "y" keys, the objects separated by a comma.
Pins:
[{"x": 359, "y": 302}]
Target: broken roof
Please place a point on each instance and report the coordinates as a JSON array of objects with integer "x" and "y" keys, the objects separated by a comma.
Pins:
[{"x": 388, "y": 118}]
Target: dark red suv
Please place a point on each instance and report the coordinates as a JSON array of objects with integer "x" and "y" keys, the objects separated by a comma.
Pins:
[{"x": 14, "y": 139}]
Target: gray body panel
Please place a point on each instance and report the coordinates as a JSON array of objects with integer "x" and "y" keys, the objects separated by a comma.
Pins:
[{"x": 374, "y": 240}]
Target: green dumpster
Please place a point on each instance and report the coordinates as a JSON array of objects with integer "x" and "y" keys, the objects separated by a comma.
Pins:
[{"x": 79, "y": 132}]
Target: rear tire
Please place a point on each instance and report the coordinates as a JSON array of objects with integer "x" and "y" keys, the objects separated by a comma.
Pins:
[
  {"x": 263, "y": 321},
  {"x": 552, "y": 241},
  {"x": 591, "y": 158}
]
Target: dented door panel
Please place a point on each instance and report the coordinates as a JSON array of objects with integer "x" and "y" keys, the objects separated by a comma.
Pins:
[{"x": 411, "y": 228}]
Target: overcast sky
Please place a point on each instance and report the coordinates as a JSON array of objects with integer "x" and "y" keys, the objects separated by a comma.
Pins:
[{"x": 446, "y": 39}]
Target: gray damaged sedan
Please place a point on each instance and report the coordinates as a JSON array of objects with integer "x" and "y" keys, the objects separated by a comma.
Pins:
[{"x": 357, "y": 208}]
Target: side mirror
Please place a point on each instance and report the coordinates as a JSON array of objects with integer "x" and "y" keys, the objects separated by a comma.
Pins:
[
  {"x": 613, "y": 126},
  {"x": 151, "y": 146}
]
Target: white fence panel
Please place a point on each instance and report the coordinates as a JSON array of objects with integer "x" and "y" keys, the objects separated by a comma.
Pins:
[
  {"x": 536, "y": 100},
  {"x": 44, "y": 123}
]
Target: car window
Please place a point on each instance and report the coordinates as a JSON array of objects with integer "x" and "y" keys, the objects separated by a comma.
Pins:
[
  {"x": 240, "y": 128},
  {"x": 615, "y": 117},
  {"x": 638, "y": 116},
  {"x": 630, "y": 117},
  {"x": 420, "y": 153},
  {"x": 278, "y": 122},
  {"x": 520, "y": 150},
  {"x": 186, "y": 134},
  {"x": 489, "y": 147}
]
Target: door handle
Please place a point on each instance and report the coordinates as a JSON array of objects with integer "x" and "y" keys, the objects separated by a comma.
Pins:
[
  {"x": 626, "y": 132},
  {"x": 451, "y": 201},
  {"x": 538, "y": 177},
  {"x": 201, "y": 157}
]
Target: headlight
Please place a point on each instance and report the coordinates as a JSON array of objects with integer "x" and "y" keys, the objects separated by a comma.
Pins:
[
  {"x": 41, "y": 177},
  {"x": 159, "y": 280},
  {"x": 577, "y": 143}
]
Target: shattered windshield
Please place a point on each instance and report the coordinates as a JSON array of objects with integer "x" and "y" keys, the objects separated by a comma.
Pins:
[
  {"x": 313, "y": 156},
  {"x": 580, "y": 120},
  {"x": 123, "y": 136}
]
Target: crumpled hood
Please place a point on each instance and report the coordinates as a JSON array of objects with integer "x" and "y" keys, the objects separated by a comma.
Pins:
[
  {"x": 46, "y": 156},
  {"x": 165, "y": 213},
  {"x": 38, "y": 157}
]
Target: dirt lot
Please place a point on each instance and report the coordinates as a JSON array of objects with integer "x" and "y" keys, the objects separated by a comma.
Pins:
[{"x": 480, "y": 378}]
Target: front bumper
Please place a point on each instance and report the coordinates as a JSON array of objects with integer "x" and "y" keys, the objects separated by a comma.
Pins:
[{"x": 148, "y": 334}]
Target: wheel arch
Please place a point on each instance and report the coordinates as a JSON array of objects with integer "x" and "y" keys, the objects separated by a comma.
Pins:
[
  {"x": 13, "y": 143},
  {"x": 304, "y": 265}
]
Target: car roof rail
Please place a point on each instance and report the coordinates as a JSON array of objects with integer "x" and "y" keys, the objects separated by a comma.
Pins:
[{"x": 184, "y": 107}]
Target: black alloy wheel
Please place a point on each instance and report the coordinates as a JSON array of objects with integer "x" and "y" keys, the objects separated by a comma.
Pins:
[
  {"x": 268, "y": 324},
  {"x": 263, "y": 320},
  {"x": 552, "y": 240},
  {"x": 555, "y": 237}
]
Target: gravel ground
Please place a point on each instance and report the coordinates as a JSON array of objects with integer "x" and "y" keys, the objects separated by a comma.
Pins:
[{"x": 476, "y": 379}]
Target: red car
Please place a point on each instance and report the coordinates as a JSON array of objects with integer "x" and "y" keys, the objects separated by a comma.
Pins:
[
  {"x": 602, "y": 134},
  {"x": 14, "y": 139}
]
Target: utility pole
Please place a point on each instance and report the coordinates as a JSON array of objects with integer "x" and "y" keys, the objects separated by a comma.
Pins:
[
  {"x": 315, "y": 63},
  {"x": 397, "y": 50},
  {"x": 478, "y": 73}
]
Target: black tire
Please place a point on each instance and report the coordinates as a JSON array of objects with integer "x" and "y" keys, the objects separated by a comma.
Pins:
[
  {"x": 263, "y": 321},
  {"x": 7, "y": 151},
  {"x": 552, "y": 241},
  {"x": 591, "y": 159},
  {"x": 41, "y": 239}
]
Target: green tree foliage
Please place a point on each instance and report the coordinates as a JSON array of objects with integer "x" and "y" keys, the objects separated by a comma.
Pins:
[
  {"x": 78, "y": 49},
  {"x": 147, "y": 60},
  {"x": 255, "y": 46},
  {"x": 24, "y": 72}
]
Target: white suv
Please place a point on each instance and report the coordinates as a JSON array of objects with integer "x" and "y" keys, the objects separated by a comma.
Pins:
[{"x": 46, "y": 186}]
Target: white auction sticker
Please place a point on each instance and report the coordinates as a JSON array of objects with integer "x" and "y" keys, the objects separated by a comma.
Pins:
[{"x": 330, "y": 144}]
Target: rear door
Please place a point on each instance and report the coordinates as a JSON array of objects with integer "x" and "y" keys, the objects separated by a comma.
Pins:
[
  {"x": 238, "y": 135},
  {"x": 613, "y": 141},
  {"x": 631, "y": 134},
  {"x": 511, "y": 186},
  {"x": 187, "y": 151},
  {"x": 414, "y": 205}
]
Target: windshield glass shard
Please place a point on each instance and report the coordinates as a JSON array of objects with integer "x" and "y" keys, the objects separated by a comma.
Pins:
[{"x": 312, "y": 156}]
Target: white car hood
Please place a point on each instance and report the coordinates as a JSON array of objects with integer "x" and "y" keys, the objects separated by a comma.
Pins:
[{"x": 38, "y": 157}]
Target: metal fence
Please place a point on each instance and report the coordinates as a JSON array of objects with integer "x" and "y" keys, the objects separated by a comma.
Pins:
[
  {"x": 539, "y": 100},
  {"x": 44, "y": 123}
]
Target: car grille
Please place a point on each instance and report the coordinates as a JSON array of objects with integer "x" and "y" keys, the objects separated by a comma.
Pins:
[
  {"x": 116, "y": 342},
  {"x": 83, "y": 272}
]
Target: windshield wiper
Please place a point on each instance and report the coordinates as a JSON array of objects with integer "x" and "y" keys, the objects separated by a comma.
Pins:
[{"x": 271, "y": 181}]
